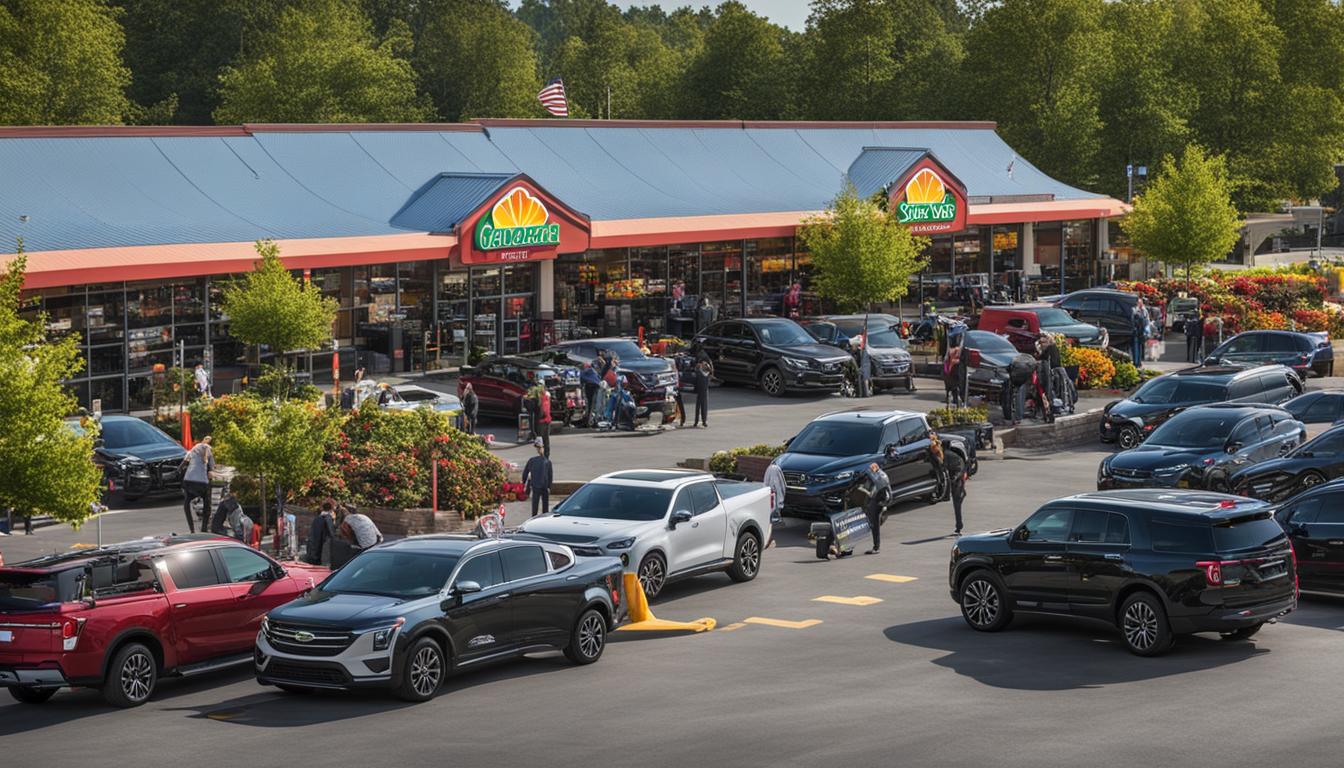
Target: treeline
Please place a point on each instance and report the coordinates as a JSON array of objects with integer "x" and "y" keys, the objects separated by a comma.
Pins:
[{"x": 1080, "y": 87}]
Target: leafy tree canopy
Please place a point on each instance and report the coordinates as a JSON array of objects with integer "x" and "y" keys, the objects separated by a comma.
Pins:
[
  {"x": 1186, "y": 216},
  {"x": 60, "y": 63},
  {"x": 271, "y": 307}
]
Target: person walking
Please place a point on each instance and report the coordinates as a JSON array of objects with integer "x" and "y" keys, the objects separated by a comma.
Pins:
[
  {"x": 1194, "y": 337},
  {"x": 953, "y": 467},
  {"x": 877, "y": 487},
  {"x": 471, "y": 407},
  {"x": 537, "y": 479},
  {"x": 592, "y": 384},
  {"x": 199, "y": 462},
  {"x": 705, "y": 314},
  {"x": 202, "y": 380},
  {"x": 320, "y": 535},
  {"x": 1139, "y": 324},
  {"x": 701, "y": 394},
  {"x": 774, "y": 478},
  {"x": 543, "y": 425},
  {"x": 676, "y": 397}
]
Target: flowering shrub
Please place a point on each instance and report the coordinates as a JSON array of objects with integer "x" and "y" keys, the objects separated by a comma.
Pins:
[
  {"x": 725, "y": 462},
  {"x": 1095, "y": 369},
  {"x": 1311, "y": 319},
  {"x": 1126, "y": 375},
  {"x": 1250, "y": 299}
]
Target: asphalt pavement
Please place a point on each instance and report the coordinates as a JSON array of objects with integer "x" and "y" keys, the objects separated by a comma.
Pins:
[{"x": 888, "y": 675}]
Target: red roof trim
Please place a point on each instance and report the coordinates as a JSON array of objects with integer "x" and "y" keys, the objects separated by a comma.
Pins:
[
  {"x": 975, "y": 125},
  {"x": 80, "y": 131},
  {"x": 359, "y": 127}
]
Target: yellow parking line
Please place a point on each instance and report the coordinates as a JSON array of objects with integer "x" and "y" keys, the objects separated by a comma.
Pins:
[
  {"x": 891, "y": 577},
  {"x": 83, "y": 546},
  {"x": 804, "y": 624},
  {"x": 731, "y": 627},
  {"x": 856, "y": 600}
]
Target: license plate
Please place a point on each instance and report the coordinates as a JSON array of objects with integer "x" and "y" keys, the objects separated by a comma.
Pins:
[{"x": 6, "y": 636}]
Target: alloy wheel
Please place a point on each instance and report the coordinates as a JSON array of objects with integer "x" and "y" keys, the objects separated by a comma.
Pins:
[
  {"x": 1140, "y": 625},
  {"x": 980, "y": 601},
  {"x": 750, "y": 555},
  {"x": 1129, "y": 438},
  {"x": 426, "y": 671},
  {"x": 137, "y": 673},
  {"x": 772, "y": 382},
  {"x": 1311, "y": 479},
  {"x": 592, "y": 635},
  {"x": 651, "y": 576}
]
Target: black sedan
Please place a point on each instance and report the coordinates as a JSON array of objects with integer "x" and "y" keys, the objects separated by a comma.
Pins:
[
  {"x": 1324, "y": 406},
  {"x": 1308, "y": 354},
  {"x": 1316, "y": 462},
  {"x": 138, "y": 459},
  {"x": 1203, "y": 448}
]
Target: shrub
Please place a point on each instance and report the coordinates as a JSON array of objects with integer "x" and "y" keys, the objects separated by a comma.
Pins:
[
  {"x": 1095, "y": 369},
  {"x": 210, "y": 416},
  {"x": 946, "y": 417},
  {"x": 1126, "y": 375},
  {"x": 1311, "y": 319},
  {"x": 725, "y": 462}
]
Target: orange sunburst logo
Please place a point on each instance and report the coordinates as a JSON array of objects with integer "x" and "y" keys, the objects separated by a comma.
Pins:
[
  {"x": 518, "y": 209},
  {"x": 925, "y": 187}
]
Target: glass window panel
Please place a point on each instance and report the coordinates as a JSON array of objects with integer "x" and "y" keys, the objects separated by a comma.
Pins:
[
  {"x": 520, "y": 279},
  {"x": 1080, "y": 263},
  {"x": 110, "y": 392},
  {"x": 452, "y": 285},
  {"x": 769, "y": 276},
  {"x": 149, "y": 306},
  {"x": 147, "y": 347},
  {"x": 486, "y": 281},
  {"x": 190, "y": 335},
  {"x": 415, "y": 285},
  {"x": 334, "y": 283},
  {"x": 105, "y": 317},
  {"x": 140, "y": 393},
  {"x": 107, "y": 360},
  {"x": 189, "y": 301}
]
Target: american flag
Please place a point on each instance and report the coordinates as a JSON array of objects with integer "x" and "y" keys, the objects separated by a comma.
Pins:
[{"x": 552, "y": 97}]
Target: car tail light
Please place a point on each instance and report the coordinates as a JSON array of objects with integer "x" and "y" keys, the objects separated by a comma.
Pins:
[
  {"x": 1213, "y": 572},
  {"x": 70, "y": 629},
  {"x": 1292, "y": 558},
  {"x": 772, "y": 498}
]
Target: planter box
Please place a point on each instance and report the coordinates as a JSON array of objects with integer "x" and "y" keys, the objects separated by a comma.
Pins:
[
  {"x": 980, "y": 433},
  {"x": 753, "y": 467}
]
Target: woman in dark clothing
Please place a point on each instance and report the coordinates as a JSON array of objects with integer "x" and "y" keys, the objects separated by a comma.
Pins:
[{"x": 471, "y": 406}]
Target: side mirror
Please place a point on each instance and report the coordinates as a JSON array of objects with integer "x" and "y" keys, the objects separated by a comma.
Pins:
[
  {"x": 1211, "y": 360},
  {"x": 1233, "y": 447},
  {"x": 790, "y": 440},
  {"x": 99, "y": 442},
  {"x": 1021, "y": 533},
  {"x": 891, "y": 450},
  {"x": 681, "y": 516},
  {"x": 277, "y": 572},
  {"x": 466, "y": 587}
]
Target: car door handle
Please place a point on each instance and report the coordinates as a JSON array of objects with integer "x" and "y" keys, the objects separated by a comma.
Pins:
[
  {"x": 695, "y": 525},
  {"x": 504, "y": 596},
  {"x": 1053, "y": 558},
  {"x": 179, "y": 605},
  {"x": 1113, "y": 556}
]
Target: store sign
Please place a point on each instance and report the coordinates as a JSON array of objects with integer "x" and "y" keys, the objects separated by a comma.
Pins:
[
  {"x": 518, "y": 221},
  {"x": 929, "y": 200}
]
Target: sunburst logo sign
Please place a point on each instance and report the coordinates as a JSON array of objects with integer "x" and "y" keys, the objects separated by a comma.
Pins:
[
  {"x": 927, "y": 199},
  {"x": 518, "y": 220}
]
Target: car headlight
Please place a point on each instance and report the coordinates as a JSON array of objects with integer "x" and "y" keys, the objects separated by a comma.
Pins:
[
  {"x": 1104, "y": 470},
  {"x": 622, "y": 543},
  {"x": 794, "y": 362},
  {"x": 382, "y": 638},
  {"x": 1174, "y": 469},
  {"x": 843, "y": 475}
]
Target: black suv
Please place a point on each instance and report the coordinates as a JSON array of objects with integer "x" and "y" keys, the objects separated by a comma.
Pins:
[
  {"x": 1127, "y": 422},
  {"x": 825, "y": 461},
  {"x": 773, "y": 352},
  {"x": 1315, "y": 525},
  {"x": 1153, "y": 563},
  {"x": 1203, "y": 447},
  {"x": 1308, "y": 354},
  {"x": 1104, "y": 308},
  {"x": 137, "y": 458},
  {"x": 403, "y": 615}
]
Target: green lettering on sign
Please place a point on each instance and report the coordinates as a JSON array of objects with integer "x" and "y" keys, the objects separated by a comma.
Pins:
[{"x": 919, "y": 213}]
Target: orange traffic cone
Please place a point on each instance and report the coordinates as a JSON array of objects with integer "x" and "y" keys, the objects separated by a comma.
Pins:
[{"x": 186, "y": 430}]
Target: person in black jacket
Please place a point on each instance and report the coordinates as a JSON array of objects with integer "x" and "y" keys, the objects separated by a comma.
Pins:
[
  {"x": 471, "y": 406},
  {"x": 877, "y": 487},
  {"x": 537, "y": 478},
  {"x": 227, "y": 502},
  {"x": 701, "y": 394},
  {"x": 1194, "y": 337},
  {"x": 320, "y": 535},
  {"x": 953, "y": 467}
]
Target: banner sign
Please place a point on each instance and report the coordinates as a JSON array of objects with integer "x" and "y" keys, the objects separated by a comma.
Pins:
[
  {"x": 849, "y": 526},
  {"x": 929, "y": 200}
]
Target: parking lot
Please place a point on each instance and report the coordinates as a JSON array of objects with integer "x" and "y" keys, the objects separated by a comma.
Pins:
[{"x": 863, "y": 661}]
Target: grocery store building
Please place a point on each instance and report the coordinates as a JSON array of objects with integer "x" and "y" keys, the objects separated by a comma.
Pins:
[{"x": 499, "y": 234}]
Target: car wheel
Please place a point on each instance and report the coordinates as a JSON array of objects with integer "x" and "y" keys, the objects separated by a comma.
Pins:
[
  {"x": 423, "y": 671},
  {"x": 296, "y": 689},
  {"x": 588, "y": 638},
  {"x": 941, "y": 490},
  {"x": 746, "y": 558},
  {"x": 983, "y": 604},
  {"x": 1128, "y": 437},
  {"x": 1143, "y": 624},
  {"x": 1245, "y": 633},
  {"x": 772, "y": 382},
  {"x": 1311, "y": 480},
  {"x": 652, "y": 574},
  {"x": 30, "y": 695},
  {"x": 131, "y": 677}
]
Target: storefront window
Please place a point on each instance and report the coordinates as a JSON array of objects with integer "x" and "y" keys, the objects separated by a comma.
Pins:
[
  {"x": 109, "y": 391},
  {"x": 453, "y": 288},
  {"x": 1080, "y": 259},
  {"x": 1007, "y": 265},
  {"x": 935, "y": 282},
  {"x": 1046, "y": 257},
  {"x": 648, "y": 271},
  {"x": 721, "y": 276},
  {"x": 683, "y": 272},
  {"x": 769, "y": 275},
  {"x": 189, "y": 302},
  {"x": 802, "y": 274},
  {"x": 105, "y": 316},
  {"x": 971, "y": 260},
  {"x": 107, "y": 360}
]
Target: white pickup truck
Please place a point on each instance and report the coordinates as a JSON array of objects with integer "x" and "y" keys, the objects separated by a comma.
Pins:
[{"x": 665, "y": 524}]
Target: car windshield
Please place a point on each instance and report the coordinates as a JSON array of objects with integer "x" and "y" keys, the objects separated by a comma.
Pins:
[
  {"x": 609, "y": 501},
  {"x": 836, "y": 438},
  {"x": 26, "y": 591},
  {"x": 403, "y": 575},
  {"x": 1052, "y": 317},
  {"x": 783, "y": 333},
  {"x": 417, "y": 395},
  {"x": 989, "y": 342},
  {"x": 622, "y": 348},
  {"x": 1195, "y": 430},
  {"x": 123, "y": 433},
  {"x": 1173, "y": 390},
  {"x": 1247, "y": 533}
]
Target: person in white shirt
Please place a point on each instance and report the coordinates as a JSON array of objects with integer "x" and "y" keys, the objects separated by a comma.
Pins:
[
  {"x": 200, "y": 461},
  {"x": 202, "y": 380}
]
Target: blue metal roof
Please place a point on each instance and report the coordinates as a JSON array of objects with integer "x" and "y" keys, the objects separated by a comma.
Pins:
[
  {"x": 876, "y": 167},
  {"x": 127, "y": 189},
  {"x": 447, "y": 200}
]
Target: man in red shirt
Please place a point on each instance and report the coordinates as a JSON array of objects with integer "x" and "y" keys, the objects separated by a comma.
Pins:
[{"x": 543, "y": 428}]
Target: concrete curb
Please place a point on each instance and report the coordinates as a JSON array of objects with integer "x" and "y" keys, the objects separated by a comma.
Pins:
[{"x": 1067, "y": 430}]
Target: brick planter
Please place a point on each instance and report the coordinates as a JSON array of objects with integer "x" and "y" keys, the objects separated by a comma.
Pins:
[
  {"x": 753, "y": 467},
  {"x": 396, "y": 523}
]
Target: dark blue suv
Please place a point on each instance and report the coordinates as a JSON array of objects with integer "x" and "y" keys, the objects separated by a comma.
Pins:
[{"x": 1308, "y": 354}]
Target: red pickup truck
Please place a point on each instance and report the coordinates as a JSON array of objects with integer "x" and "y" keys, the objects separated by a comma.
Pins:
[{"x": 121, "y": 617}]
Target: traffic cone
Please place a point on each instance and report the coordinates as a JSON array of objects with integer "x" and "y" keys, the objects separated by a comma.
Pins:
[
  {"x": 643, "y": 620},
  {"x": 186, "y": 430}
]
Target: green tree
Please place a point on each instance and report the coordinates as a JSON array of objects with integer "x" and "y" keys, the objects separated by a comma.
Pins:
[
  {"x": 1034, "y": 66},
  {"x": 272, "y": 308},
  {"x": 1186, "y": 216},
  {"x": 60, "y": 63},
  {"x": 281, "y": 442},
  {"x": 745, "y": 70},
  {"x": 878, "y": 59},
  {"x": 476, "y": 60},
  {"x": 47, "y": 466},
  {"x": 860, "y": 254},
  {"x": 322, "y": 64}
]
